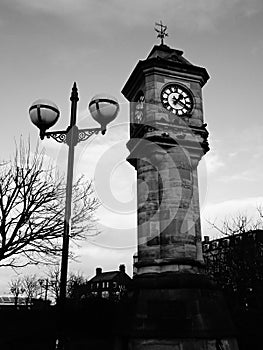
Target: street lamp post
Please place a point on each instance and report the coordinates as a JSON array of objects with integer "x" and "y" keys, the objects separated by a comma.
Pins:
[{"x": 44, "y": 114}]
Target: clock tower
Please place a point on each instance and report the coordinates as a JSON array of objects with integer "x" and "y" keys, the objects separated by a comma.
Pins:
[
  {"x": 177, "y": 306},
  {"x": 168, "y": 139}
]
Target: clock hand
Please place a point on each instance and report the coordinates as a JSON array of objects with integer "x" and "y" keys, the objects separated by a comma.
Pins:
[
  {"x": 178, "y": 100},
  {"x": 182, "y": 104}
]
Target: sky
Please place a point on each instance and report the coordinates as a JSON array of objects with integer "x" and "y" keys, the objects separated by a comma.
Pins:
[{"x": 47, "y": 45}]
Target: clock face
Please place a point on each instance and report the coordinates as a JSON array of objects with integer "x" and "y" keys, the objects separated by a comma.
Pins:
[
  {"x": 177, "y": 99},
  {"x": 139, "y": 109}
]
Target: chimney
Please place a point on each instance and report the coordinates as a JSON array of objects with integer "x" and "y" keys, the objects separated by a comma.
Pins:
[
  {"x": 98, "y": 271},
  {"x": 206, "y": 239},
  {"x": 122, "y": 268}
]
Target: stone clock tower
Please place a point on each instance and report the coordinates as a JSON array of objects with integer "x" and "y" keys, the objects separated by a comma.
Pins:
[
  {"x": 168, "y": 138},
  {"x": 176, "y": 305}
]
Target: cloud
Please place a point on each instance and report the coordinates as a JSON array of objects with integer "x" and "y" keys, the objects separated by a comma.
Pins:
[
  {"x": 228, "y": 209},
  {"x": 257, "y": 48},
  {"x": 48, "y": 6},
  {"x": 118, "y": 220},
  {"x": 212, "y": 162},
  {"x": 64, "y": 56},
  {"x": 97, "y": 15},
  {"x": 92, "y": 256},
  {"x": 233, "y": 154},
  {"x": 240, "y": 176}
]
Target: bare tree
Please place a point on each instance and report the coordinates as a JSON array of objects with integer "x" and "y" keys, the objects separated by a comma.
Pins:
[
  {"x": 32, "y": 199},
  {"x": 74, "y": 281},
  {"x": 235, "y": 261},
  {"x": 240, "y": 223},
  {"x": 31, "y": 287},
  {"x": 53, "y": 282},
  {"x": 16, "y": 288}
]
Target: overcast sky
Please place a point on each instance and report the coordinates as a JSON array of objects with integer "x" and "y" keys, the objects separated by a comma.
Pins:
[{"x": 47, "y": 45}]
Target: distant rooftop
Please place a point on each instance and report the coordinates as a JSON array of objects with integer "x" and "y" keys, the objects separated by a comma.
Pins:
[{"x": 108, "y": 275}]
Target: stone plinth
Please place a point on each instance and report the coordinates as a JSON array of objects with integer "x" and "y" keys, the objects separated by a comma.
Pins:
[{"x": 179, "y": 311}]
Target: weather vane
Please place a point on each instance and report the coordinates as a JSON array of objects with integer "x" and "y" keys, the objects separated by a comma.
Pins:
[{"x": 161, "y": 31}]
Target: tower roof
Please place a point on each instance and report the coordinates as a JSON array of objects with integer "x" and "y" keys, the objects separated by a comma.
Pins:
[
  {"x": 162, "y": 58},
  {"x": 167, "y": 53}
]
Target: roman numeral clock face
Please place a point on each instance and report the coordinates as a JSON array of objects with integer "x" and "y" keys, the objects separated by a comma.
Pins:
[{"x": 177, "y": 99}]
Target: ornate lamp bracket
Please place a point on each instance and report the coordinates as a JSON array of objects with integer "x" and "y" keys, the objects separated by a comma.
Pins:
[
  {"x": 59, "y": 136},
  {"x": 84, "y": 134},
  {"x": 64, "y": 136}
]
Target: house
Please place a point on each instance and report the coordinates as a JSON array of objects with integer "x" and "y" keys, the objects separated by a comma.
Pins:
[
  {"x": 109, "y": 285},
  {"x": 10, "y": 301}
]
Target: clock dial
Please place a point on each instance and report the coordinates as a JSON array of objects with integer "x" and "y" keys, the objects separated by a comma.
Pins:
[
  {"x": 177, "y": 99},
  {"x": 139, "y": 109}
]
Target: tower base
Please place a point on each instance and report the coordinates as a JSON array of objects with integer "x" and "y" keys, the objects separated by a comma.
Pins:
[{"x": 178, "y": 311}]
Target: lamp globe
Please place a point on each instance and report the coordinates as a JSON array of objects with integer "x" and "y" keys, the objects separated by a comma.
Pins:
[
  {"x": 104, "y": 109},
  {"x": 44, "y": 114}
]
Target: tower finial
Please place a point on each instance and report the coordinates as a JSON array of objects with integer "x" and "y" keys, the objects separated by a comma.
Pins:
[{"x": 161, "y": 31}]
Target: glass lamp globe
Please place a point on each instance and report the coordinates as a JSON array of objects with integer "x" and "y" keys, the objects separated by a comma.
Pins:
[
  {"x": 104, "y": 109},
  {"x": 44, "y": 114}
]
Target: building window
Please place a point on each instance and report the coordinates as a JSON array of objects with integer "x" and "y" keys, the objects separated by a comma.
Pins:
[{"x": 105, "y": 294}]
